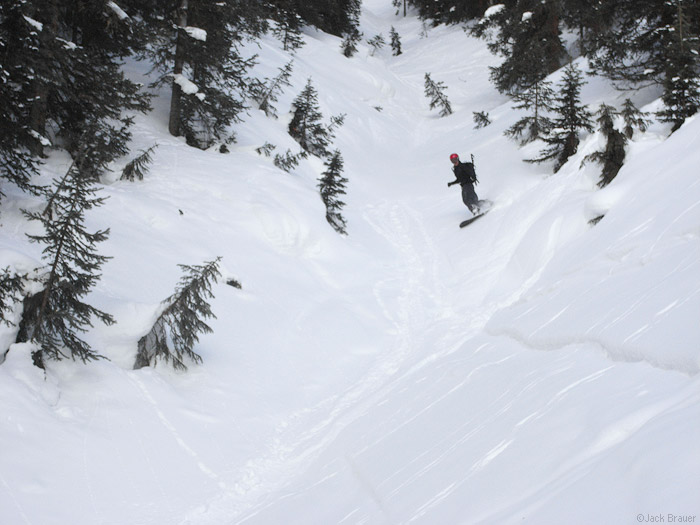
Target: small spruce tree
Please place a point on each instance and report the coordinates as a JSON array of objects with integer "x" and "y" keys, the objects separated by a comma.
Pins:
[
  {"x": 376, "y": 42},
  {"x": 481, "y": 119},
  {"x": 306, "y": 126},
  {"x": 331, "y": 186},
  {"x": 57, "y": 314},
  {"x": 350, "y": 41},
  {"x": 537, "y": 100},
  {"x": 266, "y": 94},
  {"x": 563, "y": 140},
  {"x": 634, "y": 118},
  {"x": 177, "y": 328},
  {"x": 613, "y": 156},
  {"x": 395, "y": 42},
  {"x": 288, "y": 29},
  {"x": 435, "y": 91}
]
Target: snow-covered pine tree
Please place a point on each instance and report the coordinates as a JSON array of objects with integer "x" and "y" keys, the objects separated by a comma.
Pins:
[
  {"x": 634, "y": 118},
  {"x": 350, "y": 41},
  {"x": 376, "y": 43},
  {"x": 306, "y": 126},
  {"x": 395, "y": 42},
  {"x": 526, "y": 33},
  {"x": 613, "y": 156},
  {"x": 17, "y": 164},
  {"x": 572, "y": 117},
  {"x": 198, "y": 54},
  {"x": 267, "y": 93},
  {"x": 681, "y": 82},
  {"x": 449, "y": 11},
  {"x": 288, "y": 24},
  {"x": 643, "y": 39},
  {"x": 336, "y": 18},
  {"x": 538, "y": 100},
  {"x": 435, "y": 91},
  {"x": 589, "y": 19},
  {"x": 54, "y": 317},
  {"x": 62, "y": 73},
  {"x": 138, "y": 166},
  {"x": 331, "y": 185},
  {"x": 182, "y": 319}
]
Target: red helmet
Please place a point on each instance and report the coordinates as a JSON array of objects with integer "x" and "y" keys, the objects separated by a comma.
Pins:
[{"x": 454, "y": 156}]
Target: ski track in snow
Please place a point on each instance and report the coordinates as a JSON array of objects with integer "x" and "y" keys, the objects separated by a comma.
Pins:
[{"x": 305, "y": 434}]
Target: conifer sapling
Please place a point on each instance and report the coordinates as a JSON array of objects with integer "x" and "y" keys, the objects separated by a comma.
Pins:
[
  {"x": 613, "y": 156},
  {"x": 435, "y": 91},
  {"x": 395, "y": 42},
  {"x": 331, "y": 185},
  {"x": 572, "y": 117},
  {"x": 177, "y": 328}
]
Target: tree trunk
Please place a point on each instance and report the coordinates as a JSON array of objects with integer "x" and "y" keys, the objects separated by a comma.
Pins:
[
  {"x": 174, "y": 123},
  {"x": 40, "y": 90}
]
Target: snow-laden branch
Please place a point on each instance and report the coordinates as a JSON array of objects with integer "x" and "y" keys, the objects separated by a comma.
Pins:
[
  {"x": 117, "y": 10},
  {"x": 196, "y": 33}
]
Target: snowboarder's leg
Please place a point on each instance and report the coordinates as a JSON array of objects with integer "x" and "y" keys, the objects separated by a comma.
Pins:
[{"x": 470, "y": 199}]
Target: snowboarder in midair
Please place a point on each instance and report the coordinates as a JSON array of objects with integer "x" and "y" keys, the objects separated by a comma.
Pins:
[{"x": 465, "y": 176}]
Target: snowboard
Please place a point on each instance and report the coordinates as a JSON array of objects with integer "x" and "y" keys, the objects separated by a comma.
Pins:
[{"x": 484, "y": 207}]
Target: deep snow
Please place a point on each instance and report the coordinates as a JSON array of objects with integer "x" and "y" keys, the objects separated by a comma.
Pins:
[{"x": 530, "y": 367}]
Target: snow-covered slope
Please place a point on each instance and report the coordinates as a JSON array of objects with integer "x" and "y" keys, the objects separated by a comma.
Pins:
[{"x": 529, "y": 367}]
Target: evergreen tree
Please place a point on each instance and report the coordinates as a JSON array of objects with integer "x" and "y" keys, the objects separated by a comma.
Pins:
[
  {"x": 306, "y": 126},
  {"x": 182, "y": 319},
  {"x": 435, "y": 91},
  {"x": 563, "y": 140},
  {"x": 331, "y": 185},
  {"x": 681, "y": 85},
  {"x": 350, "y": 41},
  {"x": 647, "y": 37},
  {"x": 398, "y": 4},
  {"x": 266, "y": 94},
  {"x": 376, "y": 43},
  {"x": 613, "y": 156},
  {"x": 198, "y": 53},
  {"x": 17, "y": 164},
  {"x": 61, "y": 72},
  {"x": 55, "y": 316},
  {"x": 395, "y": 42},
  {"x": 538, "y": 100},
  {"x": 481, "y": 119},
  {"x": 634, "y": 118},
  {"x": 288, "y": 24},
  {"x": 449, "y": 11},
  {"x": 591, "y": 18},
  {"x": 527, "y": 34}
]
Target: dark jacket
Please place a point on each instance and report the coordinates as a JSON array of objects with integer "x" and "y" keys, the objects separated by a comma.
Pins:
[{"x": 464, "y": 173}]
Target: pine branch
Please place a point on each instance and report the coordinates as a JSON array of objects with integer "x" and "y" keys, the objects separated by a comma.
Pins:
[{"x": 138, "y": 167}]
